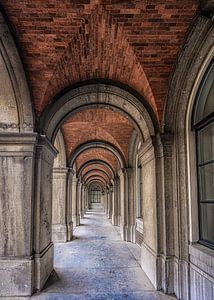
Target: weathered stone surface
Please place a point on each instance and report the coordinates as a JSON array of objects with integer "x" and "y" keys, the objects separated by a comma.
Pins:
[
  {"x": 16, "y": 277},
  {"x": 43, "y": 246}
]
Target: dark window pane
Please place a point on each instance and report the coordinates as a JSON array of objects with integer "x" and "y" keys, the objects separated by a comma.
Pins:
[
  {"x": 205, "y": 97},
  {"x": 207, "y": 182},
  {"x": 206, "y": 143},
  {"x": 207, "y": 222}
]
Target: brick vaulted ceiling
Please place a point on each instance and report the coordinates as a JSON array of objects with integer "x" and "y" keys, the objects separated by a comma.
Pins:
[
  {"x": 63, "y": 42},
  {"x": 97, "y": 124},
  {"x": 135, "y": 42},
  {"x": 101, "y": 124}
]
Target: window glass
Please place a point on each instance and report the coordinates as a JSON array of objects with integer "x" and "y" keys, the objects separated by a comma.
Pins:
[
  {"x": 205, "y": 97},
  {"x": 206, "y": 139},
  {"x": 207, "y": 182},
  {"x": 203, "y": 124},
  {"x": 207, "y": 221}
]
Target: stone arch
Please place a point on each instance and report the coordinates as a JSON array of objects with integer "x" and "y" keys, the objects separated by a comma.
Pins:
[
  {"x": 191, "y": 65},
  {"x": 96, "y": 180},
  {"x": 91, "y": 162},
  {"x": 96, "y": 144},
  {"x": 96, "y": 177},
  {"x": 96, "y": 95},
  {"x": 96, "y": 167},
  {"x": 96, "y": 172},
  {"x": 16, "y": 113},
  {"x": 117, "y": 99}
]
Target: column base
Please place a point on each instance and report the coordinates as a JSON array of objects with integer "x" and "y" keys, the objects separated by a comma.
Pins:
[
  {"x": 16, "y": 277},
  {"x": 82, "y": 214},
  {"x": 128, "y": 233},
  {"x": 116, "y": 220},
  {"x": 70, "y": 232},
  {"x": 76, "y": 220},
  {"x": 43, "y": 266},
  {"x": 62, "y": 233}
]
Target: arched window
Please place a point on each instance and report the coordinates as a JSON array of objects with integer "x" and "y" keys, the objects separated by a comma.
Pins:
[
  {"x": 95, "y": 194},
  {"x": 203, "y": 125}
]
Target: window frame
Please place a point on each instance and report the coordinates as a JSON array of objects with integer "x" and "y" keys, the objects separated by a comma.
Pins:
[{"x": 197, "y": 128}]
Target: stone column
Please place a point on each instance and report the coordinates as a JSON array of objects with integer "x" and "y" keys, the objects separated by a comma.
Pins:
[
  {"x": 82, "y": 201},
  {"x": 105, "y": 201},
  {"x": 86, "y": 199},
  {"x": 75, "y": 214},
  {"x": 59, "y": 209},
  {"x": 16, "y": 214},
  {"x": 79, "y": 195},
  {"x": 110, "y": 201},
  {"x": 69, "y": 222},
  {"x": 150, "y": 260},
  {"x": 127, "y": 205},
  {"x": 165, "y": 213},
  {"x": 43, "y": 246},
  {"x": 115, "y": 203}
]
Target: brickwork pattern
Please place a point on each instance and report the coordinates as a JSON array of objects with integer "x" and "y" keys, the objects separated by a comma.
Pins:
[
  {"x": 96, "y": 166},
  {"x": 134, "y": 42},
  {"x": 102, "y": 154},
  {"x": 97, "y": 124}
]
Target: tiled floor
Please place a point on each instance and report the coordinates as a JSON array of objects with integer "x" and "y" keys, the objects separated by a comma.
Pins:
[{"x": 98, "y": 265}]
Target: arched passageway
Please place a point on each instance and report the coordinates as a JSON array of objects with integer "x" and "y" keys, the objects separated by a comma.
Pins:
[{"x": 102, "y": 155}]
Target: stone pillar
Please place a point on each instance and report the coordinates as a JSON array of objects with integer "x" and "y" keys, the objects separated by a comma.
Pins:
[
  {"x": 69, "y": 222},
  {"x": 104, "y": 201},
  {"x": 165, "y": 231},
  {"x": 16, "y": 214},
  {"x": 150, "y": 260},
  {"x": 85, "y": 199},
  {"x": 82, "y": 201},
  {"x": 127, "y": 206},
  {"x": 59, "y": 217},
  {"x": 115, "y": 203},
  {"x": 79, "y": 196},
  {"x": 43, "y": 246},
  {"x": 110, "y": 190},
  {"x": 75, "y": 214}
]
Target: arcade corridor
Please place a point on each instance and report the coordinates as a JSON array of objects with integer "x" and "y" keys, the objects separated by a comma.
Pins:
[
  {"x": 110, "y": 102},
  {"x": 97, "y": 264}
]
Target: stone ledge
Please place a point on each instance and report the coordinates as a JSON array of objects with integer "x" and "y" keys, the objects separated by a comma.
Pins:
[{"x": 202, "y": 259}]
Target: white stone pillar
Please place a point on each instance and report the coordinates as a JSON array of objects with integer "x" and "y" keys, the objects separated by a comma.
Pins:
[
  {"x": 59, "y": 217},
  {"x": 16, "y": 214},
  {"x": 127, "y": 208},
  {"x": 75, "y": 214},
  {"x": 79, "y": 188},
  {"x": 115, "y": 203},
  {"x": 109, "y": 193},
  {"x": 85, "y": 199},
  {"x": 150, "y": 260},
  {"x": 82, "y": 201},
  {"x": 43, "y": 246},
  {"x": 69, "y": 221}
]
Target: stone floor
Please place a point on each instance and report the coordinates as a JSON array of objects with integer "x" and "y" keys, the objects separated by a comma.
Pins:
[{"x": 98, "y": 265}]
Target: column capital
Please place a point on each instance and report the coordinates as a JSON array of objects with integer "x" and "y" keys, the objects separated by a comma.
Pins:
[{"x": 79, "y": 181}]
